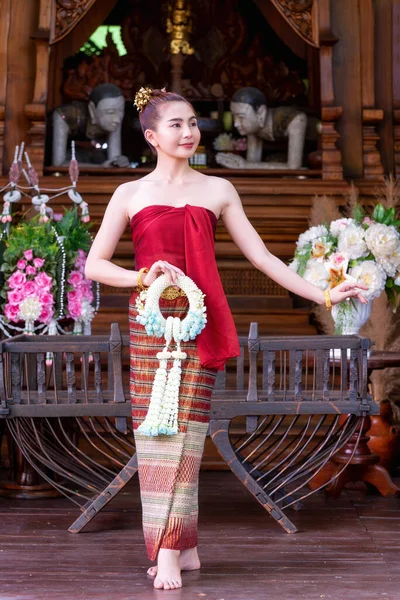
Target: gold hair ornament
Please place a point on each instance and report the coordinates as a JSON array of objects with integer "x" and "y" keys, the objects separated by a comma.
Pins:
[{"x": 142, "y": 98}]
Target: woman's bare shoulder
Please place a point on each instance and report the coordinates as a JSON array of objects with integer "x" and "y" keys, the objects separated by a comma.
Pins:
[{"x": 222, "y": 189}]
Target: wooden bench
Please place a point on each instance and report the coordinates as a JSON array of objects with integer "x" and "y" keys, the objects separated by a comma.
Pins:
[{"x": 295, "y": 403}]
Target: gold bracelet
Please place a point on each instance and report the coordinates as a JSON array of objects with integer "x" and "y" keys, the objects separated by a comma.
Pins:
[
  {"x": 140, "y": 283},
  {"x": 328, "y": 301}
]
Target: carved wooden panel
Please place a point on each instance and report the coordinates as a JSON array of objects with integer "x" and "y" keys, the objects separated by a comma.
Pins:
[
  {"x": 299, "y": 15},
  {"x": 67, "y": 13}
]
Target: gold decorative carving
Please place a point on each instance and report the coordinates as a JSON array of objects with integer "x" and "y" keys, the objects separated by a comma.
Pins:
[
  {"x": 299, "y": 15},
  {"x": 67, "y": 15},
  {"x": 179, "y": 27}
]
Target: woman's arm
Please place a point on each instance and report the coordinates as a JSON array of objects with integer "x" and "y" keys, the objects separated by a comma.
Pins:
[
  {"x": 99, "y": 266},
  {"x": 252, "y": 246}
]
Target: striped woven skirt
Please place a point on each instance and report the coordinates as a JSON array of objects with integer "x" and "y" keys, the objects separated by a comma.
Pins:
[{"x": 169, "y": 464}]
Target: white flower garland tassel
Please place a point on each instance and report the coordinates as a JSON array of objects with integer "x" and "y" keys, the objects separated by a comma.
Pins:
[
  {"x": 162, "y": 415},
  {"x": 151, "y": 424}
]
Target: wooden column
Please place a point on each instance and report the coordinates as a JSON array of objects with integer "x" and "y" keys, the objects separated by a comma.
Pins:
[
  {"x": 330, "y": 113},
  {"x": 4, "y": 31},
  {"x": 345, "y": 25},
  {"x": 22, "y": 18},
  {"x": 36, "y": 109},
  {"x": 383, "y": 52},
  {"x": 396, "y": 85},
  {"x": 371, "y": 116}
]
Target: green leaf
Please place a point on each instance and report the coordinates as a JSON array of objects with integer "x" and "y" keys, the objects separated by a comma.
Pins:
[
  {"x": 379, "y": 213},
  {"x": 358, "y": 213},
  {"x": 391, "y": 296},
  {"x": 390, "y": 214}
]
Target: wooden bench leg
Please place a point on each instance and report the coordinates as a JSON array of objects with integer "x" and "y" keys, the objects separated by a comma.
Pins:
[
  {"x": 219, "y": 431},
  {"x": 117, "y": 484}
]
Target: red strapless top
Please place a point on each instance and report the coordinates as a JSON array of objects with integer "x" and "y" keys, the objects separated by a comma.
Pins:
[{"x": 184, "y": 236}]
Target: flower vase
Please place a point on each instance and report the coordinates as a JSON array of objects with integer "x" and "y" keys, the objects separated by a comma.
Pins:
[{"x": 350, "y": 316}]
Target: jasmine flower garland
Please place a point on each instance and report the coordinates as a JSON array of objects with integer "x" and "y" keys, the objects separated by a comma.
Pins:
[{"x": 162, "y": 416}]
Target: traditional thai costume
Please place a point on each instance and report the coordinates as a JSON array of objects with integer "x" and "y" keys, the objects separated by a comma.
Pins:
[{"x": 169, "y": 464}]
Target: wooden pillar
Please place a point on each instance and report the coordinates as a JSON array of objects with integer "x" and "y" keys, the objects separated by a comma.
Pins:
[
  {"x": 371, "y": 116},
  {"x": 4, "y": 31},
  {"x": 36, "y": 109},
  {"x": 396, "y": 85},
  {"x": 345, "y": 24},
  {"x": 383, "y": 51},
  {"x": 330, "y": 112},
  {"x": 22, "y": 20}
]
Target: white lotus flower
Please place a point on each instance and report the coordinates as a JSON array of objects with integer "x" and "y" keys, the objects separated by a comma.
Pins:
[
  {"x": 311, "y": 234},
  {"x": 351, "y": 241},
  {"x": 382, "y": 239},
  {"x": 391, "y": 263},
  {"x": 317, "y": 274},
  {"x": 320, "y": 248},
  {"x": 372, "y": 275},
  {"x": 336, "y": 227},
  {"x": 30, "y": 308}
]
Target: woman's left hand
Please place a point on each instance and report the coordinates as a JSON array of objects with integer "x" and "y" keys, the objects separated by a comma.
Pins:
[{"x": 348, "y": 289}]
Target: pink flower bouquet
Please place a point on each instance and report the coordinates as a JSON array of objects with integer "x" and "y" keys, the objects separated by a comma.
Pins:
[{"x": 29, "y": 292}]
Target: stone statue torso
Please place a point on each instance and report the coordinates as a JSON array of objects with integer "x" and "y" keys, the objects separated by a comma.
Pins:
[
  {"x": 76, "y": 116},
  {"x": 278, "y": 120}
]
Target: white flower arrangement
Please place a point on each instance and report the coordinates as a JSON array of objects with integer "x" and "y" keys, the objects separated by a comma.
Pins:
[
  {"x": 162, "y": 415},
  {"x": 365, "y": 249},
  {"x": 351, "y": 241}
]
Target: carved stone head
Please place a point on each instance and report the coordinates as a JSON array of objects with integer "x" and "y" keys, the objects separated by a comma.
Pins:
[
  {"x": 249, "y": 110},
  {"x": 106, "y": 106}
]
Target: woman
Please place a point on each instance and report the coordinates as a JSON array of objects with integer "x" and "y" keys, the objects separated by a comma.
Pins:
[{"x": 173, "y": 212}]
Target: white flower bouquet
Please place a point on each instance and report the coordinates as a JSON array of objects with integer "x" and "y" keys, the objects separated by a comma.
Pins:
[{"x": 363, "y": 248}]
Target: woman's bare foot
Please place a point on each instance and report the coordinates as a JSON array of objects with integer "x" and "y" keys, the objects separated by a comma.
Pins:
[
  {"x": 168, "y": 571},
  {"x": 188, "y": 561}
]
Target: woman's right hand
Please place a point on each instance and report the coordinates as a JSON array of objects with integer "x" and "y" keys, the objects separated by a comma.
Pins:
[{"x": 162, "y": 267}]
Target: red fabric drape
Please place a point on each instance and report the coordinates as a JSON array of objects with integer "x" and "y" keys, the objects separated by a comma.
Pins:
[{"x": 184, "y": 237}]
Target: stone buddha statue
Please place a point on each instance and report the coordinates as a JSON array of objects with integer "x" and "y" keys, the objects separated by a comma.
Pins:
[
  {"x": 98, "y": 121},
  {"x": 253, "y": 119}
]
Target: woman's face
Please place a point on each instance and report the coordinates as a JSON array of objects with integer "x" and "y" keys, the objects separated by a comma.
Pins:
[{"x": 177, "y": 134}]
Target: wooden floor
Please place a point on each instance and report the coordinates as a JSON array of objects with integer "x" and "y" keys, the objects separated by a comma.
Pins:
[{"x": 345, "y": 549}]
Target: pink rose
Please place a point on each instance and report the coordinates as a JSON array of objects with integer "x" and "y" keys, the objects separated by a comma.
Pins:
[
  {"x": 15, "y": 297},
  {"x": 75, "y": 279},
  {"x": 87, "y": 284},
  {"x": 46, "y": 314},
  {"x": 16, "y": 280},
  {"x": 28, "y": 254},
  {"x": 44, "y": 281},
  {"x": 46, "y": 298},
  {"x": 89, "y": 295},
  {"x": 74, "y": 295},
  {"x": 81, "y": 253},
  {"x": 12, "y": 311},
  {"x": 80, "y": 263},
  {"x": 30, "y": 270},
  {"x": 38, "y": 263},
  {"x": 30, "y": 288},
  {"x": 21, "y": 264},
  {"x": 75, "y": 309}
]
